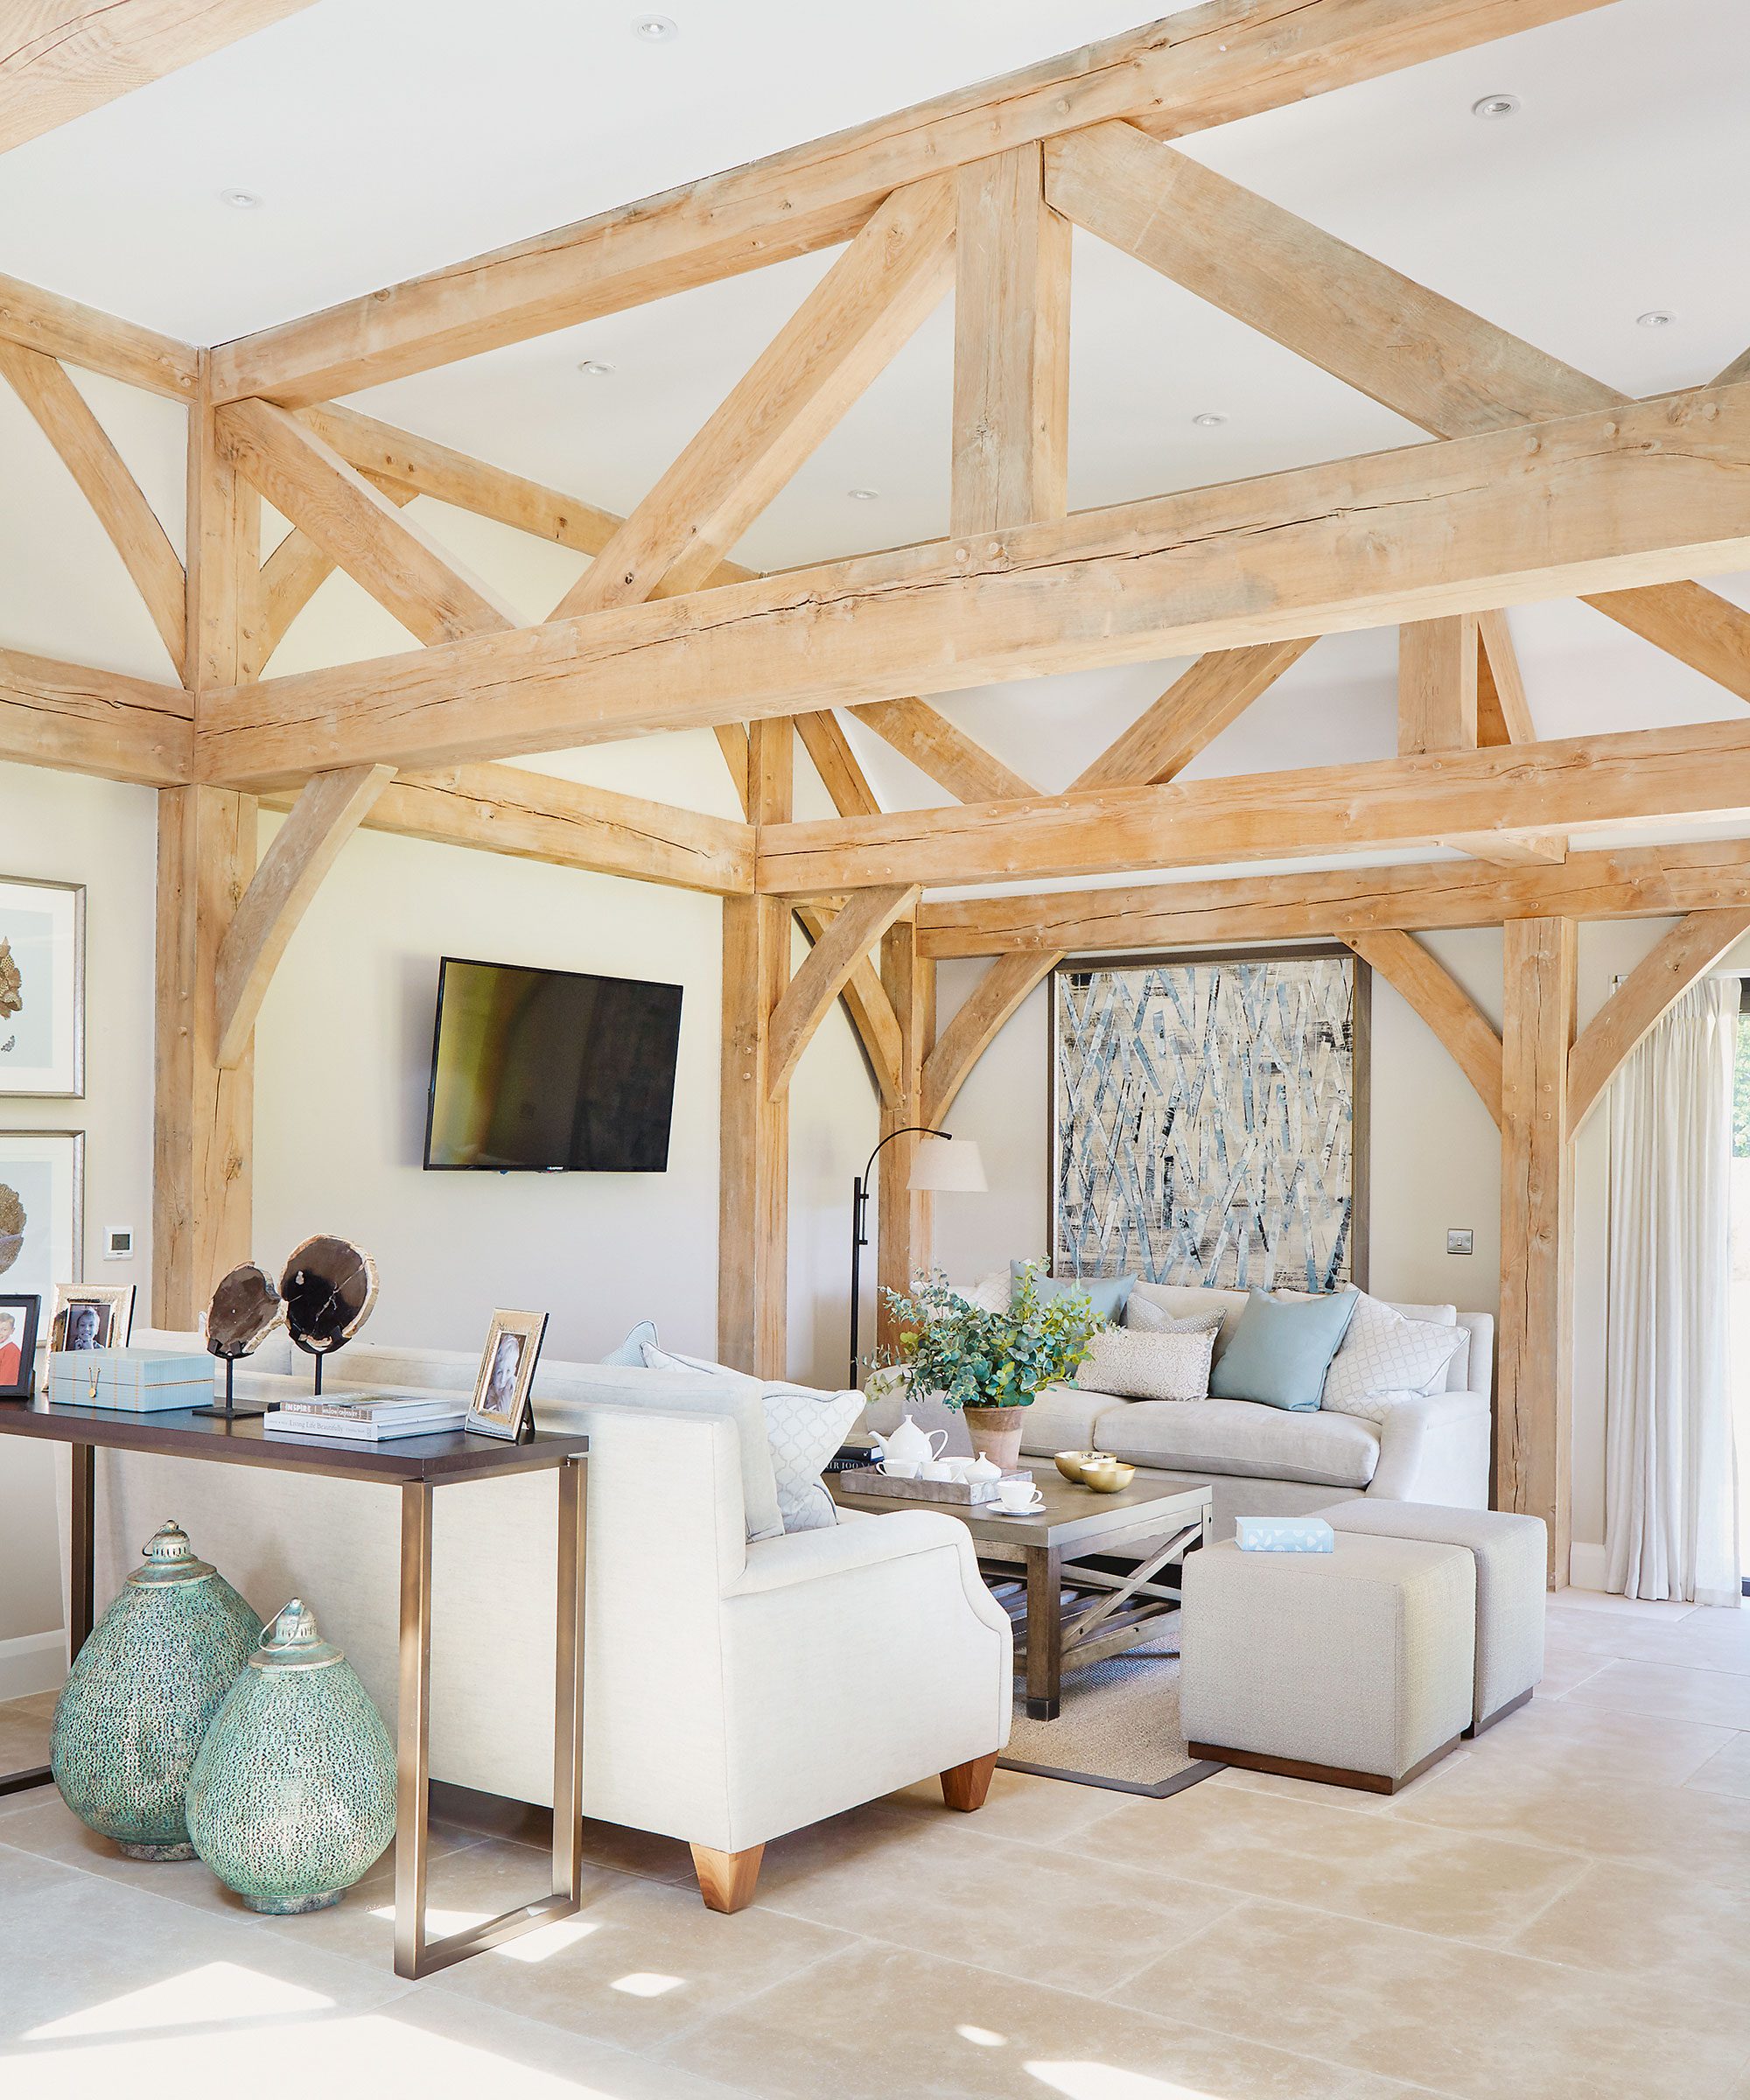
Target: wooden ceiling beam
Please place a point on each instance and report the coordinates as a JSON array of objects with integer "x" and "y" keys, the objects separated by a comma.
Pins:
[
  {"x": 96, "y": 342},
  {"x": 1642, "y": 882},
  {"x": 1739, "y": 369},
  {"x": 295, "y": 571},
  {"x": 1206, "y": 66},
  {"x": 431, "y": 594},
  {"x": 1503, "y": 712},
  {"x": 943, "y": 750},
  {"x": 843, "y": 779},
  {"x": 1634, "y": 495},
  {"x": 537, "y": 816},
  {"x": 832, "y": 962},
  {"x": 90, "y": 457},
  {"x": 1440, "y": 1001},
  {"x": 1421, "y": 355},
  {"x": 1190, "y": 714},
  {"x": 1642, "y": 1001},
  {"x": 996, "y": 998},
  {"x": 1697, "y": 771},
  {"x": 80, "y": 720},
  {"x": 844, "y": 333},
  {"x": 67, "y": 57}
]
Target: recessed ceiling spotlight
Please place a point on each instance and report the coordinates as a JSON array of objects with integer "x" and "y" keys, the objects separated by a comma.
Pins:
[
  {"x": 593, "y": 367},
  {"x": 241, "y": 201},
  {"x": 654, "y": 28},
  {"x": 1209, "y": 420},
  {"x": 1658, "y": 317},
  {"x": 863, "y": 495},
  {"x": 1496, "y": 105}
]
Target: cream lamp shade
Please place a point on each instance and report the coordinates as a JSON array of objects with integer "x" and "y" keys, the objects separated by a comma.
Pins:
[{"x": 946, "y": 1165}]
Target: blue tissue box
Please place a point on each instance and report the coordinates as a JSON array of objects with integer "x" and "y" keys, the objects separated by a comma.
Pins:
[
  {"x": 1286, "y": 1535},
  {"x": 135, "y": 1381}
]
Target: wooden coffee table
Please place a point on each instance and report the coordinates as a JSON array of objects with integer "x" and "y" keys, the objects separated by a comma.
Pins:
[{"x": 1061, "y": 1548}]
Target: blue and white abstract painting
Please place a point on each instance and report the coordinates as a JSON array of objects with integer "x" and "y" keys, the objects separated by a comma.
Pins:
[{"x": 1204, "y": 1122}]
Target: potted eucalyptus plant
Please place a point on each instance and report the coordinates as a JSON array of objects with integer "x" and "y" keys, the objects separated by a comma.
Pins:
[{"x": 989, "y": 1365}]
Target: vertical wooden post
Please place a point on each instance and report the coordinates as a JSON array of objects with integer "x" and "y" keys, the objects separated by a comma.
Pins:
[
  {"x": 1437, "y": 684},
  {"x": 1534, "y": 1420},
  {"x": 203, "y": 1125},
  {"x": 1011, "y": 347},
  {"x": 903, "y": 1219},
  {"x": 203, "y": 1118},
  {"x": 753, "y": 1193}
]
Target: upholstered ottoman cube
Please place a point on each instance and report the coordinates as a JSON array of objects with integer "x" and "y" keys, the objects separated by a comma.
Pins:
[
  {"x": 1510, "y": 1553},
  {"x": 1354, "y": 1667}
]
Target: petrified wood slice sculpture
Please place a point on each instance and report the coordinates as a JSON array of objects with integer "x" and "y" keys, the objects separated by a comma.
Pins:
[
  {"x": 329, "y": 1287},
  {"x": 245, "y": 1310}
]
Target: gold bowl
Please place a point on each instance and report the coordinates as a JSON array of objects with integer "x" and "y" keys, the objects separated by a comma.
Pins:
[
  {"x": 1069, "y": 1464},
  {"x": 1108, "y": 1477}
]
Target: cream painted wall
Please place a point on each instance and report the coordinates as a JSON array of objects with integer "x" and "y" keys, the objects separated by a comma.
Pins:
[{"x": 63, "y": 828}]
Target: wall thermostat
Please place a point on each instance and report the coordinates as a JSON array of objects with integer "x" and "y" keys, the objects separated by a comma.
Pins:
[
  {"x": 118, "y": 1243},
  {"x": 1457, "y": 1242}
]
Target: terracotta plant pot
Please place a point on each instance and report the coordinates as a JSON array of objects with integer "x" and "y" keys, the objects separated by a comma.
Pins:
[{"x": 997, "y": 1433}]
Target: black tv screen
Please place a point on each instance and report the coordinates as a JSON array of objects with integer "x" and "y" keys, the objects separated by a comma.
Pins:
[{"x": 548, "y": 1071}]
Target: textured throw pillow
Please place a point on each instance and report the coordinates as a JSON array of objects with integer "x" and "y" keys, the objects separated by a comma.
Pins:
[
  {"x": 990, "y": 1293},
  {"x": 1282, "y": 1349},
  {"x": 630, "y": 1354},
  {"x": 804, "y": 1429},
  {"x": 1106, "y": 1294},
  {"x": 1387, "y": 1357},
  {"x": 1137, "y": 1365},
  {"x": 1143, "y": 1312}
]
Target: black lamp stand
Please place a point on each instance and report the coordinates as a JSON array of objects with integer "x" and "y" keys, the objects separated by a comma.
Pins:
[{"x": 859, "y": 1223}]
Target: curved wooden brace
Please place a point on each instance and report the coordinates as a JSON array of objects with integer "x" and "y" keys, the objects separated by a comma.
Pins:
[
  {"x": 1630, "y": 1015},
  {"x": 972, "y": 1030},
  {"x": 870, "y": 1010},
  {"x": 832, "y": 962},
  {"x": 324, "y": 818},
  {"x": 1415, "y": 975}
]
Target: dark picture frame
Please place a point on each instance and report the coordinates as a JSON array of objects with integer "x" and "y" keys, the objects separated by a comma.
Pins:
[
  {"x": 1361, "y": 1061},
  {"x": 24, "y": 1308}
]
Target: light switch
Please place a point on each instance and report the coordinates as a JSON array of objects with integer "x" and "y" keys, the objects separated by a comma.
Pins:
[{"x": 1457, "y": 1240}]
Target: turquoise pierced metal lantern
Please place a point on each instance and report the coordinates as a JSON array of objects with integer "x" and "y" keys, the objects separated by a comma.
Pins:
[
  {"x": 292, "y": 1797},
  {"x": 140, "y": 1696}
]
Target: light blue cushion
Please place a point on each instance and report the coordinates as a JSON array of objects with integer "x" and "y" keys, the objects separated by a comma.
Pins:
[
  {"x": 1282, "y": 1348},
  {"x": 1106, "y": 1293},
  {"x": 630, "y": 1354}
]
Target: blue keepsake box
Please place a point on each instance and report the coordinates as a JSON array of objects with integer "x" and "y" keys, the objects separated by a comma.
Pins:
[
  {"x": 1285, "y": 1535},
  {"x": 133, "y": 1380}
]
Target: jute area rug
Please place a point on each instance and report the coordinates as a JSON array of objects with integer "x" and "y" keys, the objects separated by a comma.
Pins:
[{"x": 1118, "y": 1727}]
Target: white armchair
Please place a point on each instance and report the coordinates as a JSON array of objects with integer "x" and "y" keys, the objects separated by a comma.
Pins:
[{"x": 732, "y": 1692}]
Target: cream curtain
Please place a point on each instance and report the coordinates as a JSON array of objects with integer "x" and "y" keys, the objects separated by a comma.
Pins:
[{"x": 1670, "y": 1496}]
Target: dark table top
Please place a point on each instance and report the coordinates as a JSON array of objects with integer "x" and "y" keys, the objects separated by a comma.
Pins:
[{"x": 451, "y": 1455}]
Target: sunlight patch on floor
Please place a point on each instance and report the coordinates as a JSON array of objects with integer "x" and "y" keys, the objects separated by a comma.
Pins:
[
  {"x": 645, "y": 1983},
  {"x": 537, "y": 1946},
  {"x": 1105, "y": 2082},
  {"x": 983, "y": 2037},
  {"x": 220, "y": 1991}
]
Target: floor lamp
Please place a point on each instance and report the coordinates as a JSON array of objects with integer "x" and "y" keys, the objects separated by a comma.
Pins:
[{"x": 940, "y": 1166}]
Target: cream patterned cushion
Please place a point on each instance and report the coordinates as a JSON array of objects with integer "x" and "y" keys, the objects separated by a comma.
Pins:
[
  {"x": 1144, "y": 1313},
  {"x": 1386, "y": 1360},
  {"x": 1139, "y": 1365},
  {"x": 990, "y": 1293}
]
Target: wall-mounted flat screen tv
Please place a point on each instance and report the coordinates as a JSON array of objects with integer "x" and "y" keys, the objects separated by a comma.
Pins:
[{"x": 548, "y": 1071}]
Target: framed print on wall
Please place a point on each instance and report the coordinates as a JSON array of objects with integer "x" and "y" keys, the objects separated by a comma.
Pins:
[
  {"x": 42, "y": 1204},
  {"x": 1210, "y": 1118},
  {"x": 42, "y": 988}
]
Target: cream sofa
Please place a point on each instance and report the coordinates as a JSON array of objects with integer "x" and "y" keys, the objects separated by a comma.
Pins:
[
  {"x": 1265, "y": 1461},
  {"x": 734, "y": 1690}
]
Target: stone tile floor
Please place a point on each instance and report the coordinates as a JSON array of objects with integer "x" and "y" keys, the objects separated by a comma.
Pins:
[{"x": 1561, "y": 1910}]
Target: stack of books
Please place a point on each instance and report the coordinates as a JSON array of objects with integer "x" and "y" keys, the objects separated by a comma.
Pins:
[{"x": 368, "y": 1418}]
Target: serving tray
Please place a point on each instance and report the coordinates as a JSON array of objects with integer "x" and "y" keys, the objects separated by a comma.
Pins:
[{"x": 866, "y": 1479}]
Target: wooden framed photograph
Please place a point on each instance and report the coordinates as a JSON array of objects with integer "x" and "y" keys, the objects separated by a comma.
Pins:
[
  {"x": 42, "y": 988},
  {"x": 91, "y": 1316},
  {"x": 500, "y": 1405},
  {"x": 18, "y": 1315}
]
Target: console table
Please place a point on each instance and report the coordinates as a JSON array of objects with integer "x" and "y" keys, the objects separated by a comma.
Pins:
[{"x": 417, "y": 1465}]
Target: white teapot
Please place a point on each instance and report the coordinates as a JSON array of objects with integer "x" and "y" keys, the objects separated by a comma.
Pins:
[{"x": 908, "y": 1442}]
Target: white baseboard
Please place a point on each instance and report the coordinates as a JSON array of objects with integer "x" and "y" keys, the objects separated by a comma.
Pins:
[
  {"x": 32, "y": 1662},
  {"x": 1586, "y": 1565}
]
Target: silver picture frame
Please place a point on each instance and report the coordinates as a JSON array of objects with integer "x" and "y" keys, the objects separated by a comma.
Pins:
[{"x": 67, "y": 1017}]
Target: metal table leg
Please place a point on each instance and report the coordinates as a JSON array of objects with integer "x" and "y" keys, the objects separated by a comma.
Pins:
[
  {"x": 82, "y": 1570},
  {"x": 413, "y": 1955}
]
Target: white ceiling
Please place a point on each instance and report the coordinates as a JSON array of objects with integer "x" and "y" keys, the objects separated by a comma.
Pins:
[{"x": 1623, "y": 184}]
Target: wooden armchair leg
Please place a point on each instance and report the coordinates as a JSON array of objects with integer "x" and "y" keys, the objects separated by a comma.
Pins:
[
  {"x": 965, "y": 1786},
  {"x": 727, "y": 1880}
]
